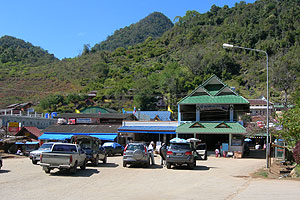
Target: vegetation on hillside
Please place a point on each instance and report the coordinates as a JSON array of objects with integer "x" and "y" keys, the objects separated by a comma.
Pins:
[
  {"x": 172, "y": 65},
  {"x": 153, "y": 26}
]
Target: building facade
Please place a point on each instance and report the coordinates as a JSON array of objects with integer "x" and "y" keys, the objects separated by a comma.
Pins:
[{"x": 213, "y": 113}]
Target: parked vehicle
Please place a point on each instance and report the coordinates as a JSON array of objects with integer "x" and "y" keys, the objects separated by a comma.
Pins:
[
  {"x": 64, "y": 156},
  {"x": 201, "y": 151},
  {"x": 181, "y": 153},
  {"x": 113, "y": 148},
  {"x": 35, "y": 155},
  {"x": 91, "y": 146},
  {"x": 136, "y": 153},
  {"x": 1, "y": 163}
]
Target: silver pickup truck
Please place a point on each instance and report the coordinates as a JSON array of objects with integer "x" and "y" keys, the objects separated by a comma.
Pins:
[{"x": 64, "y": 156}]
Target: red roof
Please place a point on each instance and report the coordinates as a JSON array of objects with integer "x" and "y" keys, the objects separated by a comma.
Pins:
[
  {"x": 34, "y": 130},
  {"x": 258, "y": 102}
]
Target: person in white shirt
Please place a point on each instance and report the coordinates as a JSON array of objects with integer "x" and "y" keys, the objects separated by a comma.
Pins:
[{"x": 150, "y": 150}]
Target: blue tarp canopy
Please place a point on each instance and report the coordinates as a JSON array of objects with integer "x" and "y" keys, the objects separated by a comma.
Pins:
[
  {"x": 51, "y": 136},
  {"x": 106, "y": 137},
  {"x": 148, "y": 129},
  {"x": 64, "y": 136}
]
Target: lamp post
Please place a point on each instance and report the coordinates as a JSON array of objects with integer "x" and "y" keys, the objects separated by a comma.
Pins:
[{"x": 261, "y": 51}]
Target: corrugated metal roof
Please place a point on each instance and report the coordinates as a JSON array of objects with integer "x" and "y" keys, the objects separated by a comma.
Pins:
[
  {"x": 162, "y": 115},
  {"x": 210, "y": 128},
  {"x": 224, "y": 99},
  {"x": 100, "y": 116},
  {"x": 214, "y": 86},
  {"x": 149, "y": 129},
  {"x": 82, "y": 129},
  {"x": 64, "y": 136}
]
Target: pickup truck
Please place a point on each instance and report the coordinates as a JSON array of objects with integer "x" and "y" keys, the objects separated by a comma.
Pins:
[{"x": 64, "y": 156}]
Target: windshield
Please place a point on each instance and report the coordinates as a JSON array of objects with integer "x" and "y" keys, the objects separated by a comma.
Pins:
[
  {"x": 86, "y": 145},
  {"x": 134, "y": 147},
  {"x": 64, "y": 148},
  {"x": 46, "y": 147},
  {"x": 180, "y": 146},
  {"x": 107, "y": 144}
]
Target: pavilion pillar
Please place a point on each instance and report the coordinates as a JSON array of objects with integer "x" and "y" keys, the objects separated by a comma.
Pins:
[
  {"x": 197, "y": 113},
  {"x": 179, "y": 114},
  {"x": 231, "y": 113}
]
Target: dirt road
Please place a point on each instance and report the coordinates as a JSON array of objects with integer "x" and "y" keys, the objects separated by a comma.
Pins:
[{"x": 217, "y": 178}]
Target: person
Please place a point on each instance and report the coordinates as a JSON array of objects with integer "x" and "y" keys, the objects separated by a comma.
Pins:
[
  {"x": 257, "y": 146},
  {"x": 217, "y": 151},
  {"x": 150, "y": 150},
  {"x": 163, "y": 154},
  {"x": 19, "y": 152}
]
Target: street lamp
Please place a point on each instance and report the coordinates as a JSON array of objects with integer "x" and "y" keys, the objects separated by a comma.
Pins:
[{"x": 261, "y": 51}]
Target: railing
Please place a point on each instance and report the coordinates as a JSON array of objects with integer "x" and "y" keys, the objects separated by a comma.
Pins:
[{"x": 21, "y": 113}]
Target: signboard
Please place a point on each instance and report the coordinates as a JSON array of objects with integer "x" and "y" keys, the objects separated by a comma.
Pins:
[
  {"x": 83, "y": 120},
  {"x": 13, "y": 124},
  {"x": 214, "y": 107},
  {"x": 224, "y": 147}
]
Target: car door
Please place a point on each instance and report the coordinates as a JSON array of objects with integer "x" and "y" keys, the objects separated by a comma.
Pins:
[
  {"x": 81, "y": 155},
  {"x": 101, "y": 153},
  {"x": 201, "y": 152}
]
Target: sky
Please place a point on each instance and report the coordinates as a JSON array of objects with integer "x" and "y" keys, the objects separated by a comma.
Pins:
[{"x": 62, "y": 27}]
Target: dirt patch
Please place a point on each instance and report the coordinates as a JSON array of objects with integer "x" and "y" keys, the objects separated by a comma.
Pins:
[
  {"x": 278, "y": 170},
  {"x": 8, "y": 155}
]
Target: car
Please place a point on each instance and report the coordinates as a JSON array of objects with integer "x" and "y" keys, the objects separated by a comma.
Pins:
[
  {"x": 113, "y": 148},
  {"x": 136, "y": 153},
  {"x": 1, "y": 162},
  {"x": 181, "y": 154},
  {"x": 35, "y": 155}
]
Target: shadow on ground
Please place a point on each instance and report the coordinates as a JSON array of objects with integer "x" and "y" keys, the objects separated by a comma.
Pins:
[
  {"x": 79, "y": 173},
  {"x": 256, "y": 154},
  {"x": 144, "y": 167},
  {"x": 200, "y": 168},
  {"x": 109, "y": 165},
  {"x": 2, "y": 171}
]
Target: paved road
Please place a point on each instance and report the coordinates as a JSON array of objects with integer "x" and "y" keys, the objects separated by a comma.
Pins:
[{"x": 217, "y": 178}]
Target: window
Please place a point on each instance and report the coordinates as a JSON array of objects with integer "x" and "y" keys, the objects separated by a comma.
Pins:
[
  {"x": 237, "y": 140},
  {"x": 64, "y": 148}
]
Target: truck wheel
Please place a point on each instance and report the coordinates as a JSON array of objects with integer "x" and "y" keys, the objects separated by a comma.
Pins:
[
  {"x": 47, "y": 170},
  {"x": 34, "y": 162},
  {"x": 168, "y": 165},
  {"x": 73, "y": 169},
  {"x": 191, "y": 165},
  {"x": 124, "y": 164},
  {"x": 96, "y": 161},
  {"x": 105, "y": 160},
  {"x": 110, "y": 154},
  {"x": 148, "y": 163},
  {"x": 205, "y": 157},
  {"x": 83, "y": 166}
]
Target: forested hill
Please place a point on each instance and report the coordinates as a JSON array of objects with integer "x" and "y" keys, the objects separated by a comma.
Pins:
[
  {"x": 154, "y": 25},
  {"x": 17, "y": 50},
  {"x": 172, "y": 65}
]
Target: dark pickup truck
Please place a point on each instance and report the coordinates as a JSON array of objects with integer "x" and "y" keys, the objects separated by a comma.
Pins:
[{"x": 91, "y": 146}]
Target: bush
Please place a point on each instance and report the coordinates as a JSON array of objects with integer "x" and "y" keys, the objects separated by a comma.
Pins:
[{"x": 296, "y": 153}]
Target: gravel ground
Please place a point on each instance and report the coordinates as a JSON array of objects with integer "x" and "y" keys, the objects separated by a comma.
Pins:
[{"x": 217, "y": 178}]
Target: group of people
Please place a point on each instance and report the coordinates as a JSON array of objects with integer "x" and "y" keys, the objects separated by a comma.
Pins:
[{"x": 162, "y": 152}]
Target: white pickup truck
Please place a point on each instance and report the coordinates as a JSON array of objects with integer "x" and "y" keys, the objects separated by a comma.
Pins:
[{"x": 63, "y": 156}]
